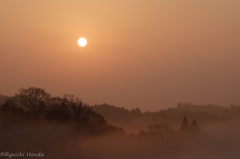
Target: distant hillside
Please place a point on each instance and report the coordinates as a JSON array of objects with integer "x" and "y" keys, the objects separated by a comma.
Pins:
[
  {"x": 117, "y": 114},
  {"x": 131, "y": 119},
  {"x": 128, "y": 119}
]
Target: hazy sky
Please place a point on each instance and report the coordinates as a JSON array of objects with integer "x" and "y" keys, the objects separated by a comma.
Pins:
[{"x": 149, "y": 54}]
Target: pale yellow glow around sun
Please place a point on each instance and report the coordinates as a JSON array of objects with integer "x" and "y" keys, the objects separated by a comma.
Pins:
[{"x": 82, "y": 42}]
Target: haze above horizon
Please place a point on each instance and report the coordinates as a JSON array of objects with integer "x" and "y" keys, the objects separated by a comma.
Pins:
[{"x": 146, "y": 54}]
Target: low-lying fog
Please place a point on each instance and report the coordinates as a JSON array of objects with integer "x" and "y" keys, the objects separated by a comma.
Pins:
[{"x": 61, "y": 140}]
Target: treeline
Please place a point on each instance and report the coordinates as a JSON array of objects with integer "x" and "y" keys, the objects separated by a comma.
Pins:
[
  {"x": 201, "y": 113},
  {"x": 3, "y": 99},
  {"x": 36, "y": 104},
  {"x": 117, "y": 114}
]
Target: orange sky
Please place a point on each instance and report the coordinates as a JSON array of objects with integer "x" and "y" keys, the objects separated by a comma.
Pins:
[{"x": 147, "y": 54}]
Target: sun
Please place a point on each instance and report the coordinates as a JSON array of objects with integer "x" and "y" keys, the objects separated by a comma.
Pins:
[{"x": 82, "y": 42}]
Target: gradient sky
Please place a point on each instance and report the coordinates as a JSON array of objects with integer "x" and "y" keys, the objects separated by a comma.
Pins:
[{"x": 149, "y": 54}]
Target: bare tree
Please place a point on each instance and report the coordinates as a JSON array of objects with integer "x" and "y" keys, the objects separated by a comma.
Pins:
[
  {"x": 32, "y": 98},
  {"x": 75, "y": 106},
  {"x": 58, "y": 109},
  {"x": 77, "y": 110}
]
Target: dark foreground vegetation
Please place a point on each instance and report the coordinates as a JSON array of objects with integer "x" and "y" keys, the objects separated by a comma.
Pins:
[{"x": 65, "y": 127}]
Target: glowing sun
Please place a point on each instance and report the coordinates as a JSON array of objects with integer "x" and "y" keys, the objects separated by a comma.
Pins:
[{"x": 82, "y": 42}]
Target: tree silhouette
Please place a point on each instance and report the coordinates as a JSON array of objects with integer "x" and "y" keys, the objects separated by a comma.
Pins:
[
  {"x": 36, "y": 103},
  {"x": 184, "y": 127},
  {"x": 58, "y": 109},
  {"x": 89, "y": 115},
  {"x": 74, "y": 105},
  {"x": 11, "y": 106},
  {"x": 195, "y": 128},
  {"x": 35, "y": 99}
]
